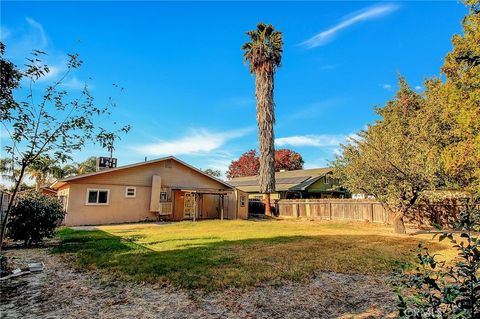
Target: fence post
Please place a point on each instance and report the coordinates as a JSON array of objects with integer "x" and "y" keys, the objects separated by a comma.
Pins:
[
  {"x": 307, "y": 209},
  {"x": 330, "y": 211},
  {"x": 371, "y": 211}
]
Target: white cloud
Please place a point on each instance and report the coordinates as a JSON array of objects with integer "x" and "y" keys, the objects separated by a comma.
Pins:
[
  {"x": 316, "y": 164},
  {"x": 74, "y": 83},
  {"x": 4, "y": 33},
  {"x": 53, "y": 73},
  {"x": 323, "y": 140},
  {"x": 362, "y": 15},
  {"x": 387, "y": 86},
  {"x": 198, "y": 141},
  {"x": 42, "y": 36},
  {"x": 4, "y": 135},
  {"x": 418, "y": 88}
]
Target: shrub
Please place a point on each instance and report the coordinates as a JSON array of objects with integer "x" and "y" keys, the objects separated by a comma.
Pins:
[
  {"x": 34, "y": 217},
  {"x": 438, "y": 290}
]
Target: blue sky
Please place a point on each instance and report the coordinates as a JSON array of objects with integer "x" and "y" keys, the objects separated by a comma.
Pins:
[{"x": 188, "y": 93}]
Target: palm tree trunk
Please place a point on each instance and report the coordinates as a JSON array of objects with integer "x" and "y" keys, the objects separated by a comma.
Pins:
[
  {"x": 268, "y": 207},
  {"x": 266, "y": 120}
]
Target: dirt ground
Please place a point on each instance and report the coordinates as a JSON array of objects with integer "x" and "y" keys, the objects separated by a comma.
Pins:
[{"x": 61, "y": 292}]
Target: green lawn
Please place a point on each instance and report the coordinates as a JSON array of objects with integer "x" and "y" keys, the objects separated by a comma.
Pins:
[{"x": 217, "y": 254}]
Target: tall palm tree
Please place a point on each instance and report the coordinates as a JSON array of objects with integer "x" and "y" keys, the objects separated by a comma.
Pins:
[
  {"x": 87, "y": 166},
  {"x": 264, "y": 54},
  {"x": 41, "y": 171}
]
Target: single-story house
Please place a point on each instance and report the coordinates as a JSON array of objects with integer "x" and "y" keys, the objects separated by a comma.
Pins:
[
  {"x": 48, "y": 191},
  {"x": 165, "y": 188},
  {"x": 305, "y": 183}
]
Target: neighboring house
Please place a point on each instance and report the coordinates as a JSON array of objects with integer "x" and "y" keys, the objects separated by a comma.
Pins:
[
  {"x": 306, "y": 183},
  {"x": 166, "y": 188},
  {"x": 48, "y": 191},
  {"x": 4, "y": 199}
]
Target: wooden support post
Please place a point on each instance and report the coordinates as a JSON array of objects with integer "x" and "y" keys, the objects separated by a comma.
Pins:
[
  {"x": 221, "y": 207},
  {"x": 307, "y": 210},
  {"x": 330, "y": 211},
  {"x": 195, "y": 207},
  {"x": 371, "y": 211}
]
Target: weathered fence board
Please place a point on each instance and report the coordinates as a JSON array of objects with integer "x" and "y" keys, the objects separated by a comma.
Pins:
[
  {"x": 425, "y": 213},
  {"x": 333, "y": 209}
]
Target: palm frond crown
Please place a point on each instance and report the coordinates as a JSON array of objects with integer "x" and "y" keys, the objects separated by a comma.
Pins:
[{"x": 264, "y": 50}]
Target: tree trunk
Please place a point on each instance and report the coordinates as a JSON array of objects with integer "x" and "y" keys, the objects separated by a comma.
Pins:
[
  {"x": 10, "y": 205},
  {"x": 265, "y": 121},
  {"x": 398, "y": 224},
  {"x": 268, "y": 208}
]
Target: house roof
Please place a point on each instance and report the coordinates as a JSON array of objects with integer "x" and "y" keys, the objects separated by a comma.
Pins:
[
  {"x": 63, "y": 181},
  {"x": 288, "y": 180}
]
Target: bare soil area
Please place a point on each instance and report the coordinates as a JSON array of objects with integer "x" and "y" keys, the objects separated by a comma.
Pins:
[{"x": 61, "y": 292}]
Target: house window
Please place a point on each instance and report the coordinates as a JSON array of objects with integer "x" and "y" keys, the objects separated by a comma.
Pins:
[
  {"x": 242, "y": 201},
  {"x": 130, "y": 192},
  {"x": 163, "y": 196},
  {"x": 98, "y": 196}
]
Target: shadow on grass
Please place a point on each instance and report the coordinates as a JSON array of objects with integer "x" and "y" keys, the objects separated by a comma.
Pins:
[{"x": 241, "y": 263}]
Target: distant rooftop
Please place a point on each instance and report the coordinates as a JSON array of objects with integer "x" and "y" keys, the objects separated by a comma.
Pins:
[{"x": 286, "y": 180}]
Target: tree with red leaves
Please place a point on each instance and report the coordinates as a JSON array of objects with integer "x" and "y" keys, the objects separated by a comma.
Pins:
[
  {"x": 288, "y": 160},
  {"x": 248, "y": 164}
]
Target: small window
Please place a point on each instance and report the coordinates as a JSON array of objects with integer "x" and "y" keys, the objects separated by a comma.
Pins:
[
  {"x": 97, "y": 196},
  {"x": 242, "y": 201},
  {"x": 130, "y": 192},
  {"x": 163, "y": 196}
]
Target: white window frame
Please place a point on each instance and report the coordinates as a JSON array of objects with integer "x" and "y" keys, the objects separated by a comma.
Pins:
[
  {"x": 134, "y": 192},
  {"x": 98, "y": 190}
]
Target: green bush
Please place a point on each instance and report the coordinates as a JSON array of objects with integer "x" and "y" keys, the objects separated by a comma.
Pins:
[
  {"x": 438, "y": 290},
  {"x": 34, "y": 217}
]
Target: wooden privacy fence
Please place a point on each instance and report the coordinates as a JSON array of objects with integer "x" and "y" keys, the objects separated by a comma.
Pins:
[{"x": 333, "y": 209}]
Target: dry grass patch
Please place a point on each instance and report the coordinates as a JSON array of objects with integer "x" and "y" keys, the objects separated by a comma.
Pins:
[{"x": 217, "y": 254}]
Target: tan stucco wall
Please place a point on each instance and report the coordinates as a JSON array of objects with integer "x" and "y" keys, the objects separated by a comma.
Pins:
[
  {"x": 177, "y": 175},
  {"x": 121, "y": 209}
]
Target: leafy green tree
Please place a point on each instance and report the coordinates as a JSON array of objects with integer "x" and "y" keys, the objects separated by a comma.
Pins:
[
  {"x": 22, "y": 187},
  {"x": 51, "y": 124},
  {"x": 41, "y": 170},
  {"x": 87, "y": 166},
  {"x": 454, "y": 105},
  {"x": 264, "y": 54},
  {"x": 391, "y": 159},
  {"x": 213, "y": 172},
  {"x": 59, "y": 171},
  {"x": 425, "y": 141},
  {"x": 9, "y": 81}
]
